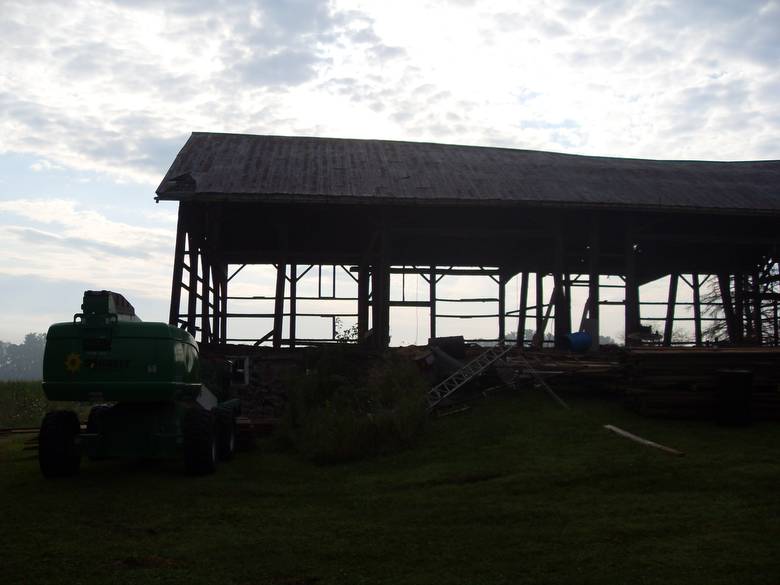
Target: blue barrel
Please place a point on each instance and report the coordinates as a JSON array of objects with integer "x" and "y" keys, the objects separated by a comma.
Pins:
[{"x": 580, "y": 341}]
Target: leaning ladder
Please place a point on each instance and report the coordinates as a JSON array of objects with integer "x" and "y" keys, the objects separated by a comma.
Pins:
[{"x": 467, "y": 373}]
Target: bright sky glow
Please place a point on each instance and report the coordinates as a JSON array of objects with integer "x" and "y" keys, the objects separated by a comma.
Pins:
[{"x": 97, "y": 96}]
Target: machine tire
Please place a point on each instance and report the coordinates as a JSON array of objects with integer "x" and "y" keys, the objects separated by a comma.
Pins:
[
  {"x": 59, "y": 454},
  {"x": 96, "y": 424},
  {"x": 96, "y": 418},
  {"x": 226, "y": 433},
  {"x": 200, "y": 441}
]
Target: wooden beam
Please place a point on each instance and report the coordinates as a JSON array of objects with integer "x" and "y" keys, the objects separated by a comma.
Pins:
[
  {"x": 739, "y": 306},
  {"x": 192, "y": 297},
  {"x": 380, "y": 295},
  {"x": 585, "y": 313},
  {"x": 293, "y": 301},
  {"x": 632, "y": 312},
  {"x": 757, "y": 308},
  {"x": 696, "y": 286},
  {"x": 593, "y": 303},
  {"x": 670, "y": 306},
  {"x": 217, "y": 278},
  {"x": 521, "y": 315},
  {"x": 363, "y": 282},
  {"x": 205, "y": 300},
  {"x": 432, "y": 299},
  {"x": 502, "y": 308},
  {"x": 223, "y": 306},
  {"x": 724, "y": 283},
  {"x": 281, "y": 269},
  {"x": 562, "y": 301},
  {"x": 562, "y": 324},
  {"x": 538, "y": 340},
  {"x": 178, "y": 270}
]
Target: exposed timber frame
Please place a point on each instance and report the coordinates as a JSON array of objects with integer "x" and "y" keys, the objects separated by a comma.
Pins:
[{"x": 207, "y": 258}]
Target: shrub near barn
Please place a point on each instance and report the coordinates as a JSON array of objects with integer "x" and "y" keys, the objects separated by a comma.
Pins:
[{"x": 350, "y": 406}]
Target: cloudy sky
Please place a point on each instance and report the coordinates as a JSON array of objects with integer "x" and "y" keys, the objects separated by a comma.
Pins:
[{"x": 96, "y": 98}]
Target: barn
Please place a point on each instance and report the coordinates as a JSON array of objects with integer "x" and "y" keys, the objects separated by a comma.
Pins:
[{"x": 375, "y": 209}]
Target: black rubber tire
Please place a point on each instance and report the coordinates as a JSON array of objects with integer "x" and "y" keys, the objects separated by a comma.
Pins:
[
  {"x": 59, "y": 454},
  {"x": 95, "y": 418},
  {"x": 226, "y": 433},
  {"x": 96, "y": 424},
  {"x": 200, "y": 441}
]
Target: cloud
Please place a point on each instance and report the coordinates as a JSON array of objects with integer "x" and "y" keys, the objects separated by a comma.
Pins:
[
  {"x": 115, "y": 87},
  {"x": 57, "y": 239}
]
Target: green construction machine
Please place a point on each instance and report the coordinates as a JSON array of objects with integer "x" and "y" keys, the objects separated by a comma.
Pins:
[{"x": 148, "y": 382}]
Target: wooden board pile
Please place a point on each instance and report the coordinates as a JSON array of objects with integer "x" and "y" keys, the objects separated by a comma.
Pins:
[
  {"x": 596, "y": 373},
  {"x": 684, "y": 383}
]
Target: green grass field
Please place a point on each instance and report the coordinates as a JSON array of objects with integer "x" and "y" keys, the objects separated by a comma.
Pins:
[
  {"x": 22, "y": 404},
  {"x": 514, "y": 491}
]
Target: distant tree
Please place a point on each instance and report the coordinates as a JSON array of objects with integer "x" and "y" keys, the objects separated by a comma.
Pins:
[
  {"x": 23, "y": 361},
  {"x": 768, "y": 285}
]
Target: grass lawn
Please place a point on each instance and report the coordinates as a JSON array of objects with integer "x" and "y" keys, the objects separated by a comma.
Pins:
[{"x": 514, "y": 491}]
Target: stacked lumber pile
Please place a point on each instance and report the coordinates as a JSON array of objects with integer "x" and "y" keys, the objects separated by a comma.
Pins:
[
  {"x": 683, "y": 383},
  {"x": 599, "y": 373}
]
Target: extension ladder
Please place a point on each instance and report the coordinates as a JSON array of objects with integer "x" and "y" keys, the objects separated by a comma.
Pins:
[{"x": 467, "y": 373}]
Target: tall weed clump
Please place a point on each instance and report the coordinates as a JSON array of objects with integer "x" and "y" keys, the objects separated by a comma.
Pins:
[{"x": 346, "y": 408}]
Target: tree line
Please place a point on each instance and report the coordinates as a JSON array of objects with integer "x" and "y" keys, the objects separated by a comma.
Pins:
[{"x": 23, "y": 361}]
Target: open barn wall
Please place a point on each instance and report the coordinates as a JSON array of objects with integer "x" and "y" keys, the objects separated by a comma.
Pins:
[{"x": 575, "y": 246}]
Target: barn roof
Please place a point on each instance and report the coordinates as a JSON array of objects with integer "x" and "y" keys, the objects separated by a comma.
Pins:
[{"x": 214, "y": 167}]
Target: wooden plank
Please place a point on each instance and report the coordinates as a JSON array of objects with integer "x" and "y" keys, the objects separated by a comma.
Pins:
[{"x": 641, "y": 441}]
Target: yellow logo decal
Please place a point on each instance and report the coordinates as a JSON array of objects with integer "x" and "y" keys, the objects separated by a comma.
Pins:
[{"x": 73, "y": 363}]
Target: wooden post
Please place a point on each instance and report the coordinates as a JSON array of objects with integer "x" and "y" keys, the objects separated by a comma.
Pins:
[
  {"x": 192, "y": 297},
  {"x": 632, "y": 312},
  {"x": 217, "y": 278},
  {"x": 562, "y": 300},
  {"x": 380, "y": 287},
  {"x": 363, "y": 276},
  {"x": 178, "y": 269},
  {"x": 739, "y": 307},
  {"x": 562, "y": 323},
  {"x": 670, "y": 306},
  {"x": 696, "y": 309},
  {"x": 293, "y": 301},
  {"x": 757, "y": 308},
  {"x": 724, "y": 282},
  {"x": 281, "y": 272},
  {"x": 223, "y": 305},
  {"x": 593, "y": 283},
  {"x": 205, "y": 298},
  {"x": 501, "y": 307},
  {"x": 523, "y": 309},
  {"x": 432, "y": 300},
  {"x": 538, "y": 340}
]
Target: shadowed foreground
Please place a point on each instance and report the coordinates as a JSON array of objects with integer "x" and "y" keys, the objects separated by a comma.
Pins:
[{"x": 513, "y": 491}]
